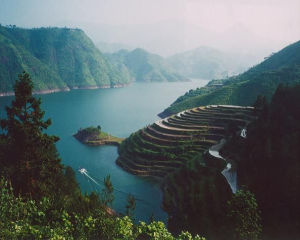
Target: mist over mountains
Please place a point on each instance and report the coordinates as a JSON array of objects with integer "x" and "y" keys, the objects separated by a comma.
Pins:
[
  {"x": 170, "y": 37},
  {"x": 145, "y": 67}
]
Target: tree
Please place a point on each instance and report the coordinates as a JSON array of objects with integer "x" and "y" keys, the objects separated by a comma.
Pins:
[
  {"x": 130, "y": 206},
  {"x": 107, "y": 192},
  {"x": 195, "y": 198},
  {"x": 260, "y": 104},
  {"x": 231, "y": 129},
  {"x": 31, "y": 160},
  {"x": 243, "y": 216}
]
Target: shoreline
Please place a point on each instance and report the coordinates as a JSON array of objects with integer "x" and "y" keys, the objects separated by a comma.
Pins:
[
  {"x": 103, "y": 142},
  {"x": 67, "y": 89}
]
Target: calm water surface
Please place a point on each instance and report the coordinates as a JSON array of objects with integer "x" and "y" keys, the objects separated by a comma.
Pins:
[{"x": 119, "y": 112}]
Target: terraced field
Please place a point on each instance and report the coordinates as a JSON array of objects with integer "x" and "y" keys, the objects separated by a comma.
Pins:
[{"x": 167, "y": 144}]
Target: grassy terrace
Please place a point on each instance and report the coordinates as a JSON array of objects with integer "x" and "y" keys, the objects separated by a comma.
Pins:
[
  {"x": 168, "y": 144},
  {"x": 246, "y": 115}
]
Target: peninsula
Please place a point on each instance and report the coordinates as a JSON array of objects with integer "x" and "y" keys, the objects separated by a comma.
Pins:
[{"x": 95, "y": 137}]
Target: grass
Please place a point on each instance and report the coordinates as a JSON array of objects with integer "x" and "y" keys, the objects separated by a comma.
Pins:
[{"x": 104, "y": 138}]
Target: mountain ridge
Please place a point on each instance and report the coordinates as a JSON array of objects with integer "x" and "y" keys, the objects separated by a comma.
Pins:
[
  {"x": 262, "y": 79},
  {"x": 144, "y": 66},
  {"x": 56, "y": 58}
]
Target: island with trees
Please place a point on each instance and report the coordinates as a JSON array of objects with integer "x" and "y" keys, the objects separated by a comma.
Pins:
[{"x": 95, "y": 137}]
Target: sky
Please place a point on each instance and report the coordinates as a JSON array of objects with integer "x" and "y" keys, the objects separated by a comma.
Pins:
[{"x": 176, "y": 25}]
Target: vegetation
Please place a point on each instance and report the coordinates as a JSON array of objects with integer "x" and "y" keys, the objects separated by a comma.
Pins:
[
  {"x": 167, "y": 145},
  {"x": 40, "y": 198},
  {"x": 144, "y": 66},
  {"x": 195, "y": 193},
  {"x": 243, "y": 216},
  {"x": 56, "y": 58},
  {"x": 195, "y": 199},
  {"x": 268, "y": 162},
  {"x": 198, "y": 199},
  {"x": 28, "y": 219},
  {"x": 29, "y": 155},
  {"x": 263, "y": 79}
]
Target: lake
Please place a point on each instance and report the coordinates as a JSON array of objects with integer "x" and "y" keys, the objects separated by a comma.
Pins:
[{"x": 120, "y": 112}]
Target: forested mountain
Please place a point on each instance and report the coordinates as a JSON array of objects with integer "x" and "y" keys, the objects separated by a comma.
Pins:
[
  {"x": 209, "y": 63},
  {"x": 56, "y": 58},
  {"x": 144, "y": 66},
  {"x": 281, "y": 67}
]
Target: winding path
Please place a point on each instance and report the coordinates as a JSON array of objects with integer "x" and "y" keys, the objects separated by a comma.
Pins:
[{"x": 228, "y": 172}]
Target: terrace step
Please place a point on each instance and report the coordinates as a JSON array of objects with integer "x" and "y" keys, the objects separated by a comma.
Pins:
[{"x": 167, "y": 144}]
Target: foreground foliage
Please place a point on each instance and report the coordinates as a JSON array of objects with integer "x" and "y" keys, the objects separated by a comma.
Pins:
[
  {"x": 28, "y": 219},
  {"x": 243, "y": 216}
]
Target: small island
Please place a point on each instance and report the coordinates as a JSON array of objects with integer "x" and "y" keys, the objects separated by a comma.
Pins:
[{"x": 95, "y": 137}]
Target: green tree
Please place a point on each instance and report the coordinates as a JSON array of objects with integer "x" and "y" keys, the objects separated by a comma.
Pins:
[
  {"x": 108, "y": 192},
  {"x": 260, "y": 105},
  {"x": 131, "y": 205},
  {"x": 30, "y": 159},
  {"x": 243, "y": 216}
]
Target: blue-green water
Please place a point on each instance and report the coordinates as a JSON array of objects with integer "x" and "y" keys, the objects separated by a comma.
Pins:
[{"x": 120, "y": 112}]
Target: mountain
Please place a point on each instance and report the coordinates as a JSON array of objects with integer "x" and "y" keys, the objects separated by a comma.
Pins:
[
  {"x": 263, "y": 79},
  {"x": 144, "y": 66},
  {"x": 56, "y": 58},
  {"x": 209, "y": 63},
  {"x": 106, "y": 47}
]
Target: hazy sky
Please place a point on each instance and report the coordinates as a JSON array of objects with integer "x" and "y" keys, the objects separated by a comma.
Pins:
[{"x": 275, "y": 22}]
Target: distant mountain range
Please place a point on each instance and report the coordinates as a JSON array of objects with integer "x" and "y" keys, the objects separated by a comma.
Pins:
[
  {"x": 56, "y": 59},
  {"x": 144, "y": 66},
  {"x": 282, "y": 67},
  {"x": 210, "y": 63},
  {"x": 64, "y": 58},
  {"x": 200, "y": 63}
]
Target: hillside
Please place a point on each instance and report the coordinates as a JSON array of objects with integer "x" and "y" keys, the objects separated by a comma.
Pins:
[
  {"x": 56, "y": 58},
  {"x": 209, "y": 63},
  {"x": 170, "y": 143},
  {"x": 263, "y": 79},
  {"x": 176, "y": 151},
  {"x": 270, "y": 155},
  {"x": 144, "y": 66}
]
